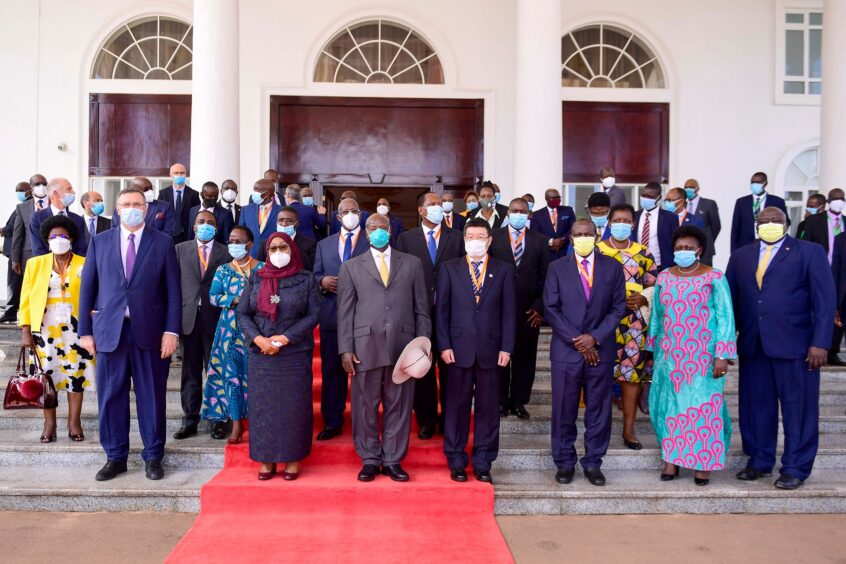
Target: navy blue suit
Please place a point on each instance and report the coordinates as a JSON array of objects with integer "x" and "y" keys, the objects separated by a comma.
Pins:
[
  {"x": 793, "y": 310},
  {"x": 542, "y": 223},
  {"x": 39, "y": 247},
  {"x": 396, "y": 229},
  {"x": 130, "y": 346},
  {"x": 690, "y": 219},
  {"x": 476, "y": 333},
  {"x": 333, "y": 393},
  {"x": 743, "y": 222},
  {"x": 310, "y": 222},
  {"x": 159, "y": 216},
  {"x": 250, "y": 218},
  {"x": 336, "y": 225},
  {"x": 190, "y": 198},
  {"x": 458, "y": 222},
  {"x": 570, "y": 315},
  {"x": 224, "y": 223},
  {"x": 668, "y": 222}
]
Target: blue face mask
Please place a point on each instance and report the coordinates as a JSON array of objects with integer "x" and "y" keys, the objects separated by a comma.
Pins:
[
  {"x": 178, "y": 179},
  {"x": 308, "y": 201},
  {"x": 690, "y": 193},
  {"x": 648, "y": 203},
  {"x": 288, "y": 230},
  {"x": 21, "y": 196},
  {"x": 812, "y": 211},
  {"x": 472, "y": 206},
  {"x": 435, "y": 214},
  {"x": 621, "y": 231},
  {"x": 68, "y": 199},
  {"x": 518, "y": 220},
  {"x": 531, "y": 204},
  {"x": 684, "y": 258},
  {"x": 497, "y": 196},
  {"x": 237, "y": 250},
  {"x": 600, "y": 221},
  {"x": 206, "y": 231},
  {"x": 257, "y": 198},
  {"x": 670, "y": 206},
  {"x": 131, "y": 217},
  {"x": 757, "y": 188},
  {"x": 98, "y": 208},
  {"x": 379, "y": 238}
]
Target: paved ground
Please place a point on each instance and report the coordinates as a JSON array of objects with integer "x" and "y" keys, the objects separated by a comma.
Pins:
[{"x": 148, "y": 537}]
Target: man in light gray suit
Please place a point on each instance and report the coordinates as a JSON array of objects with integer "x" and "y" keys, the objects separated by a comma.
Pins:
[
  {"x": 21, "y": 245},
  {"x": 382, "y": 305},
  {"x": 609, "y": 185},
  {"x": 707, "y": 211}
]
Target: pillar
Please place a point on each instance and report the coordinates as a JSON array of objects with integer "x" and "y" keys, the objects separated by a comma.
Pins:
[{"x": 833, "y": 103}]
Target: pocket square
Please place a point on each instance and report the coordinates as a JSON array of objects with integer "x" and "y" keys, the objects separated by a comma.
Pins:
[{"x": 160, "y": 215}]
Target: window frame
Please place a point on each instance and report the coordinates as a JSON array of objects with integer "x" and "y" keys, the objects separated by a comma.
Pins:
[{"x": 783, "y": 7}]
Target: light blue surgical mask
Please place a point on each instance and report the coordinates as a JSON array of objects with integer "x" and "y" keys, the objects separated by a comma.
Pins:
[
  {"x": 288, "y": 230},
  {"x": 21, "y": 196},
  {"x": 472, "y": 206},
  {"x": 131, "y": 217},
  {"x": 206, "y": 231},
  {"x": 518, "y": 220},
  {"x": 447, "y": 206},
  {"x": 178, "y": 179},
  {"x": 98, "y": 208},
  {"x": 531, "y": 204},
  {"x": 670, "y": 206},
  {"x": 621, "y": 231},
  {"x": 600, "y": 221},
  {"x": 257, "y": 198},
  {"x": 435, "y": 214},
  {"x": 648, "y": 203},
  {"x": 237, "y": 250},
  {"x": 379, "y": 238},
  {"x": 757, "y": 188},
  {"x": 684, "y": 258},
  {"x": 68, "y": 199},
  {"x": 812, "y": 211},
  {"x": 497, "y": 196},
  {"x": 690, "y": 193},
  {"x": 308, "y": 201}
]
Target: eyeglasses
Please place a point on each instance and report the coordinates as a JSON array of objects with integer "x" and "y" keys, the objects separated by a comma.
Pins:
[{"x": 58, "y": 236}]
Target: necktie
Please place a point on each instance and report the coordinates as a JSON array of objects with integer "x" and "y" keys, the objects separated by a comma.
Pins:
[
  {"x": 130, "y": 256},
  {"x": 585, "y": 281},
  {"x": 448, "y": 219},
  {"x": 178, "y": 200},
  {"x": 644, "y": 238},
  {"x": 477, "y": 288},
  {"x": 92, "y": 230},
  {"x": 553, "y": 217},
  {"x": 39, "y": 204},
  {"x": 518, "y": 247},
  {"x": 756, "y": 207},
  {"x": 383, "y": 269},
  {"x": 433, "y": 247},
  {"x": 763, "y": 263},
  {"x": 61, "y": 212},
  {"x": 204, "y": 263},
  {"x": 837, "y": 225},
  {"x": 347, "y": 247}
]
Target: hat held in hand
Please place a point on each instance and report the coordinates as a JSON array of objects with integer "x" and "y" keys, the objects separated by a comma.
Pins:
[{"x": 415, "y": 360}]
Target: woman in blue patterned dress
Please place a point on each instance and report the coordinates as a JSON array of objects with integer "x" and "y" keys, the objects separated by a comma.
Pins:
[
  {"x": 225, "y": 401},
  {"x": 691, "y": 333}
]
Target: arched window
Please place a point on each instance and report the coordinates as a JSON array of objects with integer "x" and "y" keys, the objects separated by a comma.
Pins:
[
  {"x": 799, "y": 180},
  {"x": 606, "y": 56},
  {"x": 378, "y": 52},
  {"x": 150, "y": 48}
]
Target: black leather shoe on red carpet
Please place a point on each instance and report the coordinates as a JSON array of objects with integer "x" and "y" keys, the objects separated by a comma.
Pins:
[
  {"x": 484, "y": 476},
  {"x": 329, "y": 433},
  {"x": 368, "y": 473},
  {"x": 395, "y": 472},
  {"x": 458, "y": 475}
]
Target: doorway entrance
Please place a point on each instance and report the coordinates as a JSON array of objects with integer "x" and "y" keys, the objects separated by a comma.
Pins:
[{"x": 403, "y": 199}]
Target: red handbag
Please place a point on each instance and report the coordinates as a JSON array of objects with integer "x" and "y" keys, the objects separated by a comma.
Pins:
[{"x": 30, "y": 391}]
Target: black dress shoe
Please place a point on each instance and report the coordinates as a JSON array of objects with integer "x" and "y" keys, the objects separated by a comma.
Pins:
[
  {"x": 368, "y": 473},
  {"x": 186, "y": 431},
  {"x": 218, "y": 430},
  {"x": 634, "y": 445},
  {"x": 788, "y": 482},
  {"x": 750, "y": 474},
  {"x": 504, "y": 411},
  {"x": 670, "y": 477},
  {"x": 520, "y": 411},
  {"x": 395, "y": 472},
  {"x": 154, "y": 469},
  {"x": 458, "y": 475},
  {"x": 329, "y": 433},
  {"x": 425, "y": 433},
  {"x": 595, "y": 476},
  {"x": 9, "y": 317},
  {"x": 483, "y": 476},
  {"x": 110, "y": 470},
  {"x": 565, "y": 475}
]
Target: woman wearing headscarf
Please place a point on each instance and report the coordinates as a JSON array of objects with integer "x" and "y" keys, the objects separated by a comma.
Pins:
[{"x": 277, "y": 314}]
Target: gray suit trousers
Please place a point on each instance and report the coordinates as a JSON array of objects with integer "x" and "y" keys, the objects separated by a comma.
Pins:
[{"x": 369, "y": 389}]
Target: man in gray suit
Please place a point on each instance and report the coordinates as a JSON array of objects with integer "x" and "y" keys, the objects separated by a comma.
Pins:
[
  {"x": 382, "y": 305},
  {"x": 609, "y": 185},
  {"x": 21, "y": 244},
  {"x": 707, "y": 211}
]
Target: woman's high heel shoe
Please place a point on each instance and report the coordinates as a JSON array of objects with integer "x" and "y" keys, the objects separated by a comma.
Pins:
[
  {"x": 701, "y": 481},
  {"x": 48, "y": 438},
  {"x": 76, "y": 437},
  {"x": 670, "y": 477},
  {"x": 634, "y": 445},
  {"x": 267, "y": 475}
]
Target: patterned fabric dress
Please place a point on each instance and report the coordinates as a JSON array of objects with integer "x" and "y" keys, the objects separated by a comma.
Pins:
[
  {"x": 226, "y": 385},
  {"x": 57, "y": 344},
  {"x": 692, "y": 323},
  {"x": 640, "y": 271}
]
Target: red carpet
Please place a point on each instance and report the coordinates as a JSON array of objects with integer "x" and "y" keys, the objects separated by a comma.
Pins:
[{"x": 329, "y": 516}]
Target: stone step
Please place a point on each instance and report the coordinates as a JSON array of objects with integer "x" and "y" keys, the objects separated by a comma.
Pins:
[{"x": 531, "y": 492}]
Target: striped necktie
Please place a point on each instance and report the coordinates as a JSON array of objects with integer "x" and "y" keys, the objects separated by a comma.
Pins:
[
  {"x": 756, "y": 206},
  {"x": 518, "y": 246},
  {"x": 477, "y": 289}
]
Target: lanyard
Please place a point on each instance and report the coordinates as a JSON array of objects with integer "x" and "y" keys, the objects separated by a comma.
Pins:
[
  {"x": 477, "y": 282},
  {"x": 63, "y": 274},
  {"x": 203, "y": 260},
  {"x": 240, "y": 271},
  {"x": 587, "y": 276},
  {"x": 515, "y": 244}
]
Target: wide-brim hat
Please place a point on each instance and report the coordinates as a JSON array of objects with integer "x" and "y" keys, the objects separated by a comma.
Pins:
[{"x": 414, "y": 362}]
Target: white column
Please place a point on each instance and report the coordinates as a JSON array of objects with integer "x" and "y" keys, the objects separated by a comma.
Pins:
[
  {"x": 833, "y": 107},
  {"x": 537, "y": 129},
  {"x": 215, "y": 135}
]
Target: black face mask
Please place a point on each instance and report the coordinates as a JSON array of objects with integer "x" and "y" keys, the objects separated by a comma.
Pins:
[{"x": 209, "y": 203}]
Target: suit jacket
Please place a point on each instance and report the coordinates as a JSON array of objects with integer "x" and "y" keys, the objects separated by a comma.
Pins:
[
  {"x": 237, "y": 215},
  {"x": 499, "y": 222},
  {"x": 224, "y": 222},
  {"x": 153, "y": 292},
  {"x": 307, "y": 246},
  {"x": 838, "y": 269},
  {"x": 617, "y": 195},
  {"x": 668, "y": 222},
  {"x": 21, "y": 244},
  {"x": 8, "y": 233},
  {"x": 570, "y": 314},
  {"x": 450, "y": 246},
  {"x": 501, "y": 210},
  {"x": 690, "y": 219},
  {"x": 708, "y": 212},
  {"x": 336, "y": 225},
  {"x": 816, "y": 229},
  {"x": 793, "y": 310},
  {"x": 196, "y": 286},
  {"x": 327, "y": 262},
  {"x": 250, "y": 218},
  {"x": 743, "y": 221},
  {"x": 190, "y": 198},
  {"x": 159, "y": 217},
  {"x": 377, "y": 322},
  {"x": 102, "y": 224},
  {"x": 458, "y": 222},
  {"x": 36, "y": 284},
  {"x": 531, "y": 272},
  {"x": 397, "y": 229},
  {"x": 310, "y": 221},
  {"x": 39, "y": 247},
  {"x": 542, "y": 223},
  {"x": 476, "y": 333}
]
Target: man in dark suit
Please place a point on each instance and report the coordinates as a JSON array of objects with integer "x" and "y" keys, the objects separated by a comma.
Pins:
[
  {"x": 130, "y": 316},
  {"x": 527, "y": 250},
  {"x": 433, "y": 244},
  {"x": 159, "y": 212},
  {"x": 308, "y": 201},
  {"x": 336, "y": 224},
  {"x": 488, "y": 209},
  {"x": 608, "y": 180},
  {"x": 209, "y": 194},
  {"x": 554, "y": 223},
  {"x": 476, "y": 321},
  {"x": 229, "y": 199},
  {"x": 61, "y": 195},
  {"x": 92, "y": 210},
  {"x": 813, "y": 206},
  {"x": 286, "y": 222},
  {"x": 259, "y": 215},
  {"x": 598, "y": 207},
  {"x": 451, "y": 218},
  {"x": 654, "y": 226},
  {"x": 676, "y": 202},
  {"x": 747, "y": 208},
  {"x": 784, "y": 301},
  {"x": 707, "y": 211},
  {"x": 182, "y": 198},
  {"x": 23, "y": 192},
  {"x": 198, "y": 260},
  {"x": 21, "y": 244},
  {"x": 383, "y": 206},
  {"x": 584, "y": 300},
  {"x": 310, "y": 221},
  {"x": 382, "y": 306},
  {"x": 332, "y": 252}
]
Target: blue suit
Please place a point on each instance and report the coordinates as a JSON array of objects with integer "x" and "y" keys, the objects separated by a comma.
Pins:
[
  {"x": 39, "y": 247},
  {"x": 336, "y": 225},
  {"x": 396, "y": 229},
  {"x": 570, "y": 315},
  {"x": 542, "y": 223},
  {"x": 333, "y": 393},
  {"x": 250, "y": 218},
  {"x": 668, "y": 222},
  {"x": 130, "y": 346},
  {"x": 690, "y": 219},
  {"x": 743, "y": 221},
  {"x": 310, "y": 221},
  {"x": 159, "y": 216},
  {"x": 792, "y": 311}
]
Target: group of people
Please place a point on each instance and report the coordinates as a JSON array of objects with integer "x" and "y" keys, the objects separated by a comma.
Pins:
[{"x": 631, "y": 298}]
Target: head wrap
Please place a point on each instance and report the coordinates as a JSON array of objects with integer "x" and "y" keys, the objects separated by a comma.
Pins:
[{"x": 270, "y": 275}]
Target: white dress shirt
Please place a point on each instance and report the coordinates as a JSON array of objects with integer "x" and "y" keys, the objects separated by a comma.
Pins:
[
  {"x": 437, "y": 234},
  {"x": 652, "y": 244},
  {"x": 377, "y": 260},
  {"x": 693, "y": 205},
  {"x": 343, "y": 239},
  {"x": 56, "y": 210}
]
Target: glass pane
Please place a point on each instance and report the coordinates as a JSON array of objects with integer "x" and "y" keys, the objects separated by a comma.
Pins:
[
  {"x": 815, "y": 53},
  {"x": 402, "y": 62},
  {"x": 569, "y": 79},
  {"x": 639, "y": 52},
  {"x": 567, "y": 47},
  {"x": 794, "y": 52},
  {"x": 577, "y": 196},
  {"x": 347, "y": 75},
  {"x": 795, "y": 176},
  {"x": 793, "y": 87},
  {"x": 125, "y": 71},
  {"x": 371, "y": 54},
  {"x": 365, "y": 32},
  {"x": 433, "y": 71},
  {"x": 592, "y": 56},
  {"x": 172, "y": 29},
  {"x": 653, "y": 76},
  {"x": 808, "y": 162},
  {"x": 393, "y": 33},
  {"x": 814, "y": 88},
  {"x": 794, "y": 18},
  {"x": 794, "y": 196},
  {"x": 577, "y": 65},
  {"x": 388, "y": 53},
  {"x": 815, "y": 18},
  {"x": 324, "y": 70}
]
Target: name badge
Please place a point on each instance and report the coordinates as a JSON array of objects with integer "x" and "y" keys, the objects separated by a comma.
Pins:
[{"x": 63, "y": 313}]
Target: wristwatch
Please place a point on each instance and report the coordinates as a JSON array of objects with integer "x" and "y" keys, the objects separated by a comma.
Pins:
[{"x": 551, "y": 241}]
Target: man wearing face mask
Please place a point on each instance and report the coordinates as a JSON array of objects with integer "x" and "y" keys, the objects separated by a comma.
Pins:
[
  {"x": 784, "y": 301},
  {"x": 814, "y": 205},
  {"x": 21, "y": 245},
  {"x": 433, "y": 244},
  {"x": 609, "y": 185},
  {"x": 554, "y": 222},
  {"x": 209, "y": 203},
  {"x": 336, "y": 224},
  {"x": 61, "y": 195},
  {"x": 382, "y": 306},
  {"x": 584, "y": 300},
  {"x": 654, "y": 226},
  {"x": 258, "y": 215},
  {"x": 676, "y": 202},
  {"x": 598, "y": 206},
  {"x": 287, "y": 222},
  {"x": 708, "y": 212},
  {"x": 310, "y": 221},
  {"x": 23, "y": 192},
  {"x": 198, "y": 261},
  {"x": 182, "y": 198},
  {"x": 229, "y": 200},
  {"x": 159, "y": 215},
  {"x": 278, "y": 189},
  {"x": 308, "y": 201},
  {"x": 747, "y": 208},
  {"x": 452, "y": 219},
  {"x": 383, "y": 206},
  {"x": 93, "y": 208}
]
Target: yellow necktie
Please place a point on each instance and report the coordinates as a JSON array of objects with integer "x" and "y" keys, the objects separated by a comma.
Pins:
[
  {"x": 762, "y": 266},
  {"x": 383, "y": 269}
]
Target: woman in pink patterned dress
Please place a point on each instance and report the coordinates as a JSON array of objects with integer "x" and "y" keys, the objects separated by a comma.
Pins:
[{"x": 692, "y": 335}]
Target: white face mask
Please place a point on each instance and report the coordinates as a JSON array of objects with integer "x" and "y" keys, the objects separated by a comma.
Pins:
[
  {"x": 382, "y": 210},
  {"x": 39, "y": 191},
  {"x": 149, "y": 196},
  {"x": 350, "y": 221},
  {"x": 59, "y": 245},
  {"x": 229, "y": 195},
  {"x": 280, "y": 259},
  {"x": 475, "y": 248},
  {"x": 609, "y": 182},
  {"x": 836, "y": 205}
]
